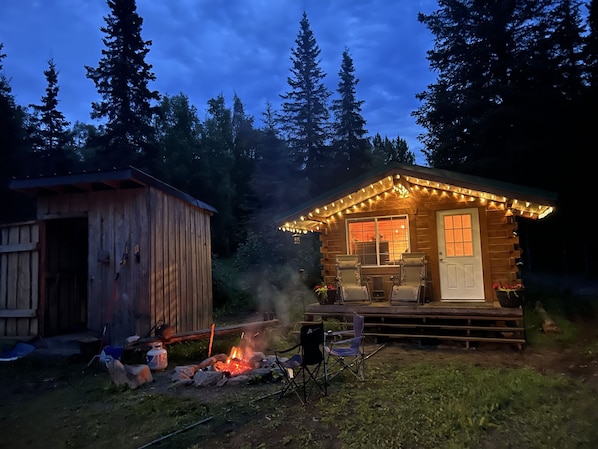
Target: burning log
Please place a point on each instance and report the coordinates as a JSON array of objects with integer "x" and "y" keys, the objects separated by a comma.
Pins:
[{"x": 239, "y": 365}]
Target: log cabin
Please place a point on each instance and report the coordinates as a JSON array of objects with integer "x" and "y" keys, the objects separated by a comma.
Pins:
[{"x": 464, "y": 226}]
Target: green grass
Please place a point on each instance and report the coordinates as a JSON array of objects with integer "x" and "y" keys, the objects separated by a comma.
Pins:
[
  {"x": 427, "y": 405},
  {"x": 421, "y": 401}
]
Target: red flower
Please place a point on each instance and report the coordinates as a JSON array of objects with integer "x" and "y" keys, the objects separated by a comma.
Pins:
[{"x": 500, "y": 286}]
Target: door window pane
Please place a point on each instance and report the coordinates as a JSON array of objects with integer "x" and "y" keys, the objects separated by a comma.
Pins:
[{"x": 458, "y": 235}]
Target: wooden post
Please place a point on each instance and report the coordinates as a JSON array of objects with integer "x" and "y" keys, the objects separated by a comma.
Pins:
[{"x": 211, "y": 341}]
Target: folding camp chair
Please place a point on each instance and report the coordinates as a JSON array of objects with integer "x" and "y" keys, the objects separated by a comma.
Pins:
[
  {"x": 411, "y": 285},
  {"x": 302, "y": 370},
  {"x": 347, "y": 354},
  {"x": 348, "y": 280}
]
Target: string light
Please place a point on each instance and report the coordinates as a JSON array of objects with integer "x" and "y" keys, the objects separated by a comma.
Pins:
[{"x": 381, "y": 189}]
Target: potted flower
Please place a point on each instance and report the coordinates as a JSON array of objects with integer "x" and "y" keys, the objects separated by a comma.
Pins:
[
  {"x": 509, "y": 295},
  {"x": 326, "y": 293}
]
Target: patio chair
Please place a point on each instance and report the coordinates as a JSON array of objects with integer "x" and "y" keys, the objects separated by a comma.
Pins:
[
  {"x": 347, "y": 354},
  {"x": 305, "y": 370},
  {"x": 410, "y": 287},
  {"x": 348, "y": 280}
]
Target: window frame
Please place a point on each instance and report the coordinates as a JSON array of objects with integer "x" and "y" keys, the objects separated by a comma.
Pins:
[{"x": 375, "y": 220}]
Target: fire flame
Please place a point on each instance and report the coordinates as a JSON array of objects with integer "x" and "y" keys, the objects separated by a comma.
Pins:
[{"x": 236, "y": 363}]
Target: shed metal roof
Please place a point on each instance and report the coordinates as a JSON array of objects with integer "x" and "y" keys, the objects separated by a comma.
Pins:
[{"x": 119, "y": 179}]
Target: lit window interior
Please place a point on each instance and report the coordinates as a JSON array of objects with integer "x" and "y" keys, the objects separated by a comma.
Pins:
[{"x": 379, "y": 241}]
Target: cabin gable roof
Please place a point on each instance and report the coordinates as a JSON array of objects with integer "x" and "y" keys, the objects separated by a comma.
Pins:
[
  {"x": 119, "y": 179},
  {"x": 401, "y": 179}
]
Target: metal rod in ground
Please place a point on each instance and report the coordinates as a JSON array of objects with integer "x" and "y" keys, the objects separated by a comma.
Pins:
[
  {"x": 190, "y": 426},
  {"x": 265, "y": 396},
  {"x": 378, "y": 349}
]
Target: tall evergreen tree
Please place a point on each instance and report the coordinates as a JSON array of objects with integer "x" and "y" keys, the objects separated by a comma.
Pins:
[
  {"x": 245, "y": 141},
  {"x": 401, "y": 152},
  {"x": 502, "y": 76},
  {"x": 506, "y": 105},
  {"x": 50, "y": 135},
  {"x": 351, "y": 147},
  {"x": 85, "y": 145},
  {"x": 178, "y": 133},
  {"x": 591, "y": 45},
  {"x": 386, "y": 151},
  {"x": 218, "y": 149},
  {"x": 272, "y": 190},
  {"x": 121, "y": 78},
  {"x": 13, "y": 149},
  {"x": 478, "y": 54},
  {"x": 305, "y": 115}
]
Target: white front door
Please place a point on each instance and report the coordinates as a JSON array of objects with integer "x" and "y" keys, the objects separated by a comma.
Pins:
[{"x": 460, "y": 255}]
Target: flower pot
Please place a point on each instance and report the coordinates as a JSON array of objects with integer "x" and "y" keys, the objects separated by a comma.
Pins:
[
  {"x": 328, "y": 298},
  {"x": 510, "y": 298}
]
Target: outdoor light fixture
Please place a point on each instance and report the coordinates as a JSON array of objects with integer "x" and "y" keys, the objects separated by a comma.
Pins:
[{"x": 296, "y": 239}]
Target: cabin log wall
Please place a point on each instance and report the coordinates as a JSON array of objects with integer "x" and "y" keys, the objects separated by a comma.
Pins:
[{"x": 499, "y": 243}]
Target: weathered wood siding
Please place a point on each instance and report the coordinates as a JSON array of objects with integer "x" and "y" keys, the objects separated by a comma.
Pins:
[
  {"x": 117, "y": 223},
  {"x": 499, "y": 244},
  {"x": 180, "y": 267},
  {"x": 19, "y": 279},
  {"x": 149, "y": 258}
]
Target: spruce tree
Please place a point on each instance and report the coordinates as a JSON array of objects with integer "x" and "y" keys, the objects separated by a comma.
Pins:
[
  {"x": 351, "y": 147},
  {"x": 178, "y": 133},
  {"x": 49, "y": 131},
  {"x": 121, "y": 78},
  {"x": 14, "y": 152},
  {"x": 591, "y": 46},
  {"x": 218, "y": 149},
  {"x": 305, "y": 115},
  {"x": 506, "y": 74},
  {"x": 386, "y": 151}
]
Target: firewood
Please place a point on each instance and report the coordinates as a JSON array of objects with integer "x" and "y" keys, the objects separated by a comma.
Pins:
[{"x": 548, "y": 325}]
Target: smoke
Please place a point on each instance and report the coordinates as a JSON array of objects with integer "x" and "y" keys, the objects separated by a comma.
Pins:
[{"x": 281, "y": 290}]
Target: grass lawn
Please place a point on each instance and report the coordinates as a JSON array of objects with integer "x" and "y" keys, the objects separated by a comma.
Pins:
[{"x": 544, "y": 396}]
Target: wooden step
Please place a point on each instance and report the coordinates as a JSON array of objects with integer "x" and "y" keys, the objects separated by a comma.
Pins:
[
  {"x": 444, "y": 326},
  {"x": 448, "y": 338}
]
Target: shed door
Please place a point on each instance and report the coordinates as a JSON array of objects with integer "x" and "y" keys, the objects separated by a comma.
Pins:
[
  {"x": 460, "y": 255},
  {"x": 65, "y": 305}
]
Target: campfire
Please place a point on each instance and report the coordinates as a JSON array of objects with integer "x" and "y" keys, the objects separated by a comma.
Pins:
[
  {"x": 238, "y": 362},
  {"x": 243, "y": 362}
]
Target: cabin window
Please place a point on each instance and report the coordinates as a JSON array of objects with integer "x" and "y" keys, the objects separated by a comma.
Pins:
[{"x": 378, "y": 240}]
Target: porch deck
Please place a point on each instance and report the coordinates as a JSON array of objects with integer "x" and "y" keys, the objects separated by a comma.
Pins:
[{"x": 464, "y": 322}]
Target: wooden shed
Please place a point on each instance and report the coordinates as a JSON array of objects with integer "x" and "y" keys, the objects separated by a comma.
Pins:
[{"x": 116, "y": 250}]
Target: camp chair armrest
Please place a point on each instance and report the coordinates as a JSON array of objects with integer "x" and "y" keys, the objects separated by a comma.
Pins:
[
  {"x": 339, "y": 333},
  {"x": 344, "y": 342},
  {"x": 284, "y": 351}
]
